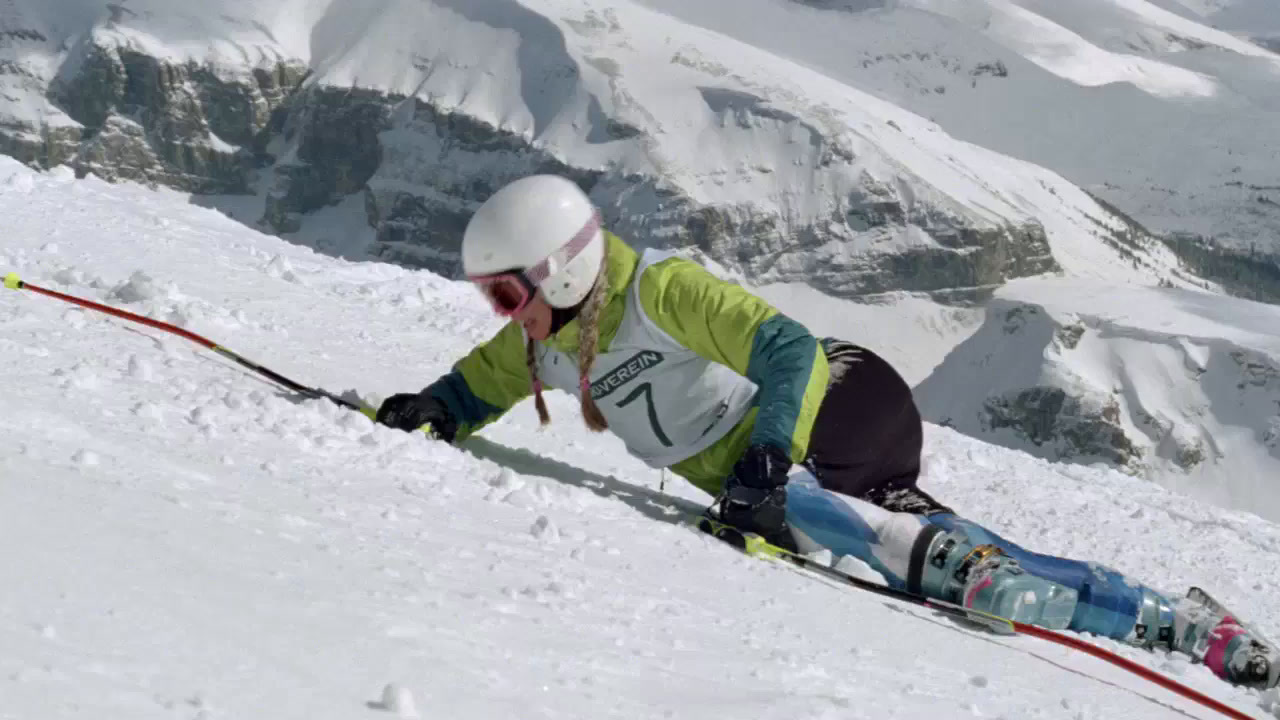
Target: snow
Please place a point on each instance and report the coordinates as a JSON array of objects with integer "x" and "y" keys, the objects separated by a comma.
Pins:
[
  {"x": 398, "y": 700},
  {"x": 190, "y": 541},
  {"x": 1242, "y": 16},
  {"x": 914, "y": 334},
  {"x": 1071, "y": 56}
]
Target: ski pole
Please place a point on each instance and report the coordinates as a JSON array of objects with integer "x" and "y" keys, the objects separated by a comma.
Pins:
[{"x": 13, "y": 282}]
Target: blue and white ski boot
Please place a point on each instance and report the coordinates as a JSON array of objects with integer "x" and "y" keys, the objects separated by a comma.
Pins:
[
  {"x": 981, "y": 577},
  {"x": 1209, "y": 632}
]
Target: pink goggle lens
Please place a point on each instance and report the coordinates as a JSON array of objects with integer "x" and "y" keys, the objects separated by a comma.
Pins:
[{"x": 506, "y": 293}]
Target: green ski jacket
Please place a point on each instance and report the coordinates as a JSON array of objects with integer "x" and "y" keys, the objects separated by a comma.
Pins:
[{"x": 716, "y": 319}]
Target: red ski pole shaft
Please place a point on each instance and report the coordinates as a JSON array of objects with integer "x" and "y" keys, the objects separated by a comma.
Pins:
[
  {"x": 1133, "y": 667},
  {"x": 13, "y": 282}
]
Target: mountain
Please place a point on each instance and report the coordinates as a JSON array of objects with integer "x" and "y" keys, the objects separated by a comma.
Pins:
[
  {"x": 1257, "y": 20},
  {"x": 1153, "y": 112},
  {"x": 1175, "y": 385},
  {"x": 686, "y": 136},
  {"x": 186, "y": 540}
]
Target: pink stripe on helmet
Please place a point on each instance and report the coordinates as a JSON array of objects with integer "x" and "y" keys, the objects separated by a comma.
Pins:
[{"x": 567, "y": 252}]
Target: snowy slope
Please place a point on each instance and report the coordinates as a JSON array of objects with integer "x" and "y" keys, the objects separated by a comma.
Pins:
[
  {"x": 1258, "y": 20},
  {"x": 186, "y": 541}
]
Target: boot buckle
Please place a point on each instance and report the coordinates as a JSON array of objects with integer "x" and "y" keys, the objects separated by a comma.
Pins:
[{"x": 977, "y": 556}]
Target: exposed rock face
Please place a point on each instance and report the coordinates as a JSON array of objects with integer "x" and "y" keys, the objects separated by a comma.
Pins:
[
  {"x": 1246, "y": 273},
  {"x": 43, "y": 147},
  {"x": 185, "y": 125},
  {"x": 1243, "y": 272},
  {"x": 436, "y": 168},
  {"x": 1049, "y": 410},
  {"x": 332, "y": 137},
  {"x": 1065, "y": 427},
  {"x": 424, "y": 171}
]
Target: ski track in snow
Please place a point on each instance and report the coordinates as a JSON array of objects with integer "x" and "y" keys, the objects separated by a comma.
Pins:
[{"x": 186, "y": 541}]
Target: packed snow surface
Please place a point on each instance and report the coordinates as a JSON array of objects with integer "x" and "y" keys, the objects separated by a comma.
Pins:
[{"x": 186, "y": 540}]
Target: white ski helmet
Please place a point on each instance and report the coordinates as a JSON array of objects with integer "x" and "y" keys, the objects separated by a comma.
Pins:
[{"x": 537, "y": 219}]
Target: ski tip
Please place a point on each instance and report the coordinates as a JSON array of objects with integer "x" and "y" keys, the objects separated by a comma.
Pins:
[{"x": 12, "y": 281}]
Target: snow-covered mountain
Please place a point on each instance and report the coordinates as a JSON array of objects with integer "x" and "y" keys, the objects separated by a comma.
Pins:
[
  {"x": 686, "y": 135},
  {"x": 1258, "y": 20},
  {"x": 744, "y": 130},
  {"x": 184, "y": 540},
  {"x": 1176, "y": 385},
  {"x": 1157, "y": 113}
]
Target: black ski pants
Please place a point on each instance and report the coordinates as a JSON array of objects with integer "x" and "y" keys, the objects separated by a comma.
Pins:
[{"x": 867, "y": 438}]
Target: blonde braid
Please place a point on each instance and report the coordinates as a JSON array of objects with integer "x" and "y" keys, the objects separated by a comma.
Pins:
[
  {"x": 531, "y": 358},
  {"x": 588, "y": 341}
]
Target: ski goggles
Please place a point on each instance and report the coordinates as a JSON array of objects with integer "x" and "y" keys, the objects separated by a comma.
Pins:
[
  {"x": 508, "y": 292},
  {"x": 511, "y": 291}
]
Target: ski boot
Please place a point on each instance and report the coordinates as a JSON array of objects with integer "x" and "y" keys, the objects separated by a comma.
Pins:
[
  {"x": 1209, "y": 632},
  {"x": 948, "y": 566}
]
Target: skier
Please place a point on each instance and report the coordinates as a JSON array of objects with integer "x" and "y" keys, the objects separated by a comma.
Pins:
[{"x": 700, "y": 376}]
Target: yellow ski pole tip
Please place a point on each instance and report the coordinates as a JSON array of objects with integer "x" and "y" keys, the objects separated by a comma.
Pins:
[{"x": 12, "y": 281}]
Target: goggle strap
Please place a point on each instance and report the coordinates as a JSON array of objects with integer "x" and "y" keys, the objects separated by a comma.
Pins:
[{"x": 567, "y": 252}]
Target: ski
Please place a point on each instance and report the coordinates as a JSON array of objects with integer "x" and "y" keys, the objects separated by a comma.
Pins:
[{"x": 756, "y": 546}]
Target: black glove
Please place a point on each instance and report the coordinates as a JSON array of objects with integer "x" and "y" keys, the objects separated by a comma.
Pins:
[
  {"x": 762, "y": 466},
  {"x": 411, "y": 411},
  {"x": 755, "y": 496}
]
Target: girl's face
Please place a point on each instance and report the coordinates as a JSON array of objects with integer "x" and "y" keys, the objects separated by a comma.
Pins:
[{"x": 535, "y": 318}]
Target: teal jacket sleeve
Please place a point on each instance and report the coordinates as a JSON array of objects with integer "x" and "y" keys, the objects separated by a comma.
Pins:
[{"x": 486, "y": 383}]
